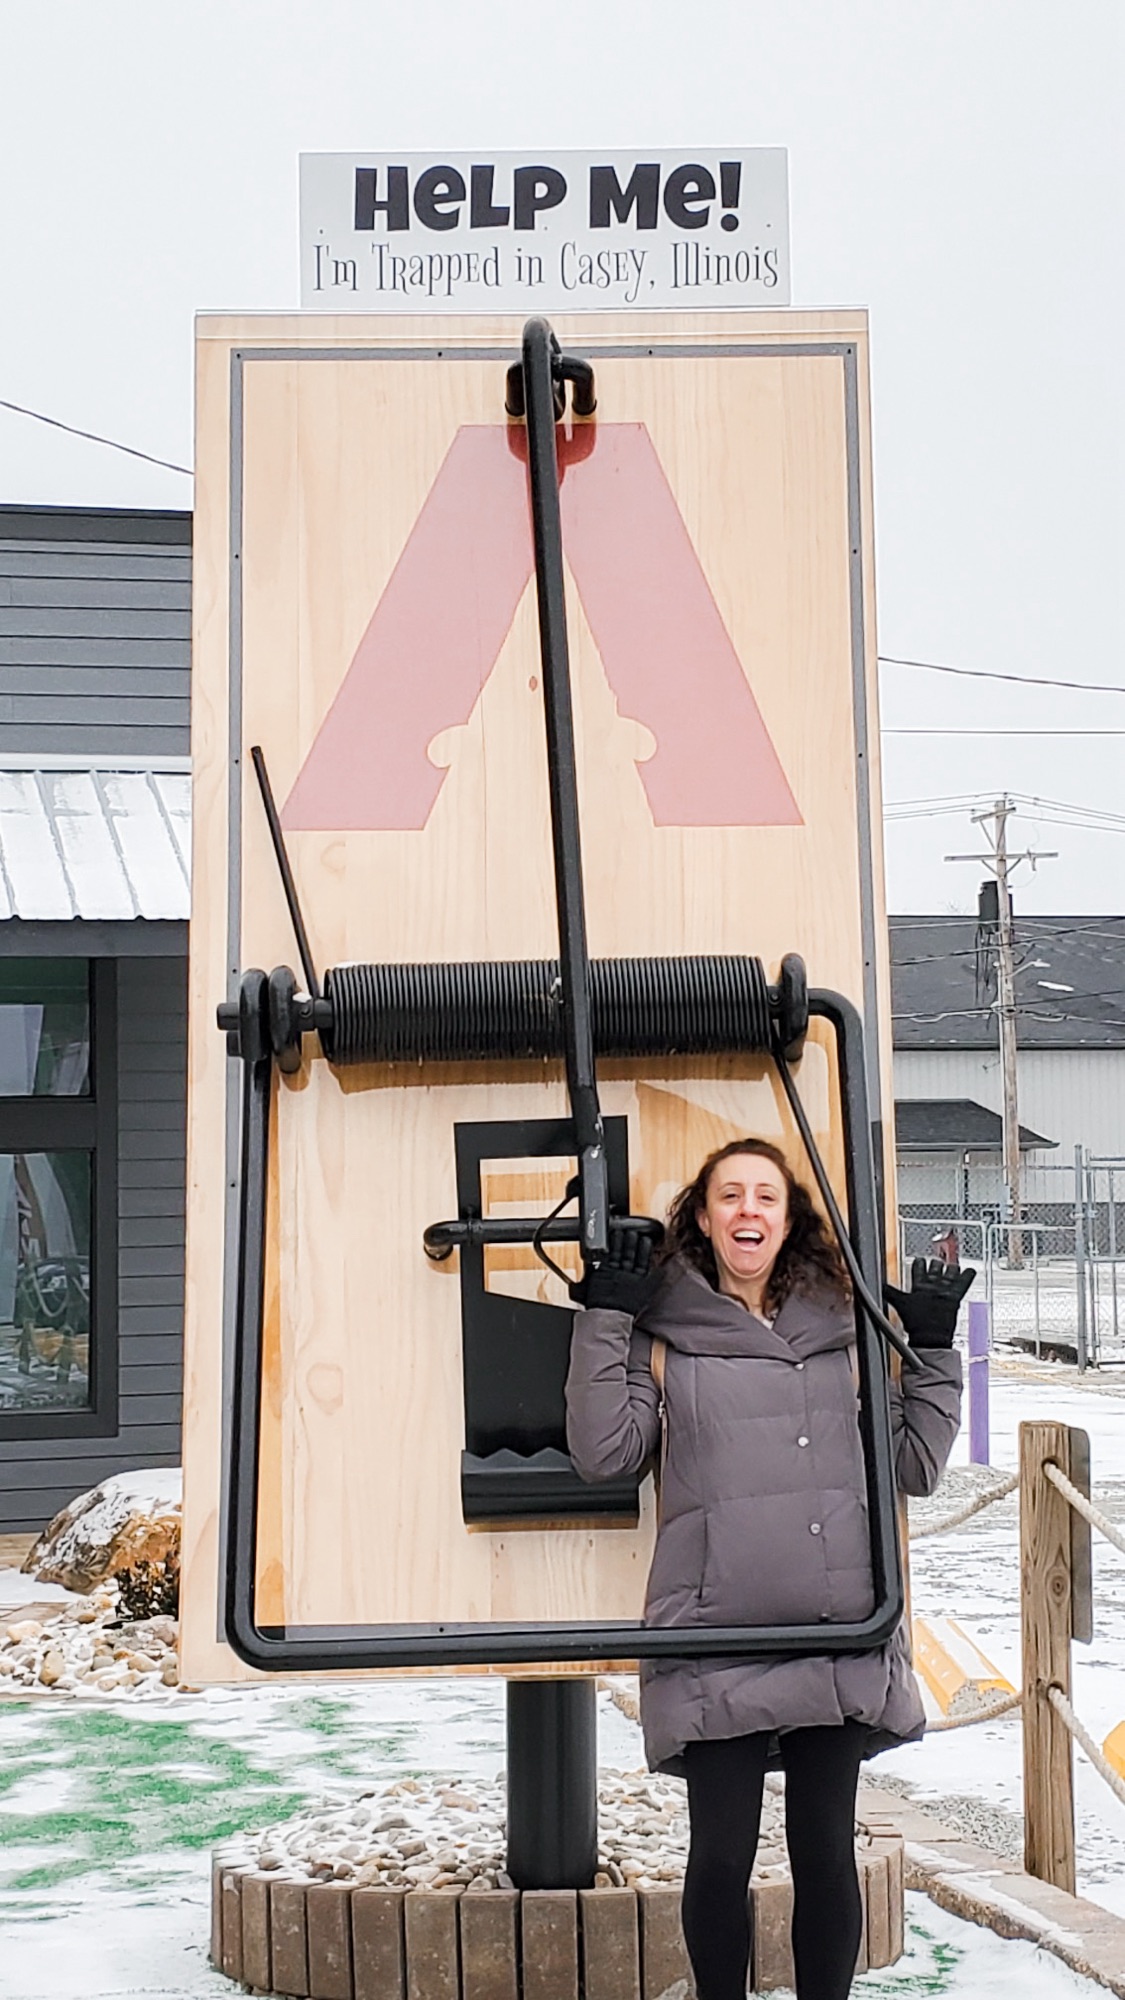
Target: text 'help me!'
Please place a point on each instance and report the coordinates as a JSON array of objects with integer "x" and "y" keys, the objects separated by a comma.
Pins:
[{"x": 459, "y": 232}]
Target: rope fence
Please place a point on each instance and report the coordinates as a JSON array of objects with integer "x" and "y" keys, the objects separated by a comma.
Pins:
[
  {"x": 965, "y": 1513},
  {"x": 987, "y": 1713},
  {"x": 1059, "y": 1701},
  {"x": 1085, "y": 1507},
  {"x": 1081, "y": 1735}
]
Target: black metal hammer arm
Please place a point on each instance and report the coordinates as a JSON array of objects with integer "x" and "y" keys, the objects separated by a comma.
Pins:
[
  {"x": 322, "y": 1649},
  {"x": 541, "y": 378},
  {"x": 861, "y": 1245},
  {"x": 866, "y": 1297}
]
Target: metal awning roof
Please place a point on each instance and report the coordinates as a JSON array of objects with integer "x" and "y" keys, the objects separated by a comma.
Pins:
[{"x": 99, "y": 843}]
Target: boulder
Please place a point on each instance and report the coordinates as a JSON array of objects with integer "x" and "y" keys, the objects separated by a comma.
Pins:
[{"x": 129, "y": 1523}]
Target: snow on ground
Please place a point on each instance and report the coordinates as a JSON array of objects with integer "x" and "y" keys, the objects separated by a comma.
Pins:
[
  {"x": 108, "y": 1815},
  {"x": 972, "y": 1575},
  {"x": 108, "y": 1812},
  {"x": 16, "y": 1589},
  {"x": 109, "y": 1809}
]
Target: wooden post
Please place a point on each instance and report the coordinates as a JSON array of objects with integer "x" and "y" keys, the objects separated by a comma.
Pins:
[{"x": 1045, "y": 1612}]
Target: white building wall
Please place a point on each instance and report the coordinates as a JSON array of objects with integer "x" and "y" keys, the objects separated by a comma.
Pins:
[{"x": 1074, "y": 1096}]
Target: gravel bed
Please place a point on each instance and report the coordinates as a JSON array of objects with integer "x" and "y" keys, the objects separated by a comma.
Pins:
[
  {"x": 88, "y": 1649},
  {"x": 996, "y": 1827},
  {"x": 421, "y": 1833}
]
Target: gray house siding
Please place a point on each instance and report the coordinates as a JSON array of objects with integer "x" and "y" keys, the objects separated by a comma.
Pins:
[
  {"x": 95, "y": 616},
  {"x": 95, "y": 633},
  {"x": 38, "y": 1476}
]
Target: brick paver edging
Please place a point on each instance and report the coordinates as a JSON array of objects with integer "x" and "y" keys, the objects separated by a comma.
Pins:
[
  {"x": 980, "y": 1886},
  {"x": 336, "y": 1941}
]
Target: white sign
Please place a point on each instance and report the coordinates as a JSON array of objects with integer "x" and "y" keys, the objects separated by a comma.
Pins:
[{"x": 478, "y": 232}]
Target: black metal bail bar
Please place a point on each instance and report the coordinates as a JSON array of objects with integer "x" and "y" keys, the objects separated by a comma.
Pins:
[{"x": 542, "y": 378}]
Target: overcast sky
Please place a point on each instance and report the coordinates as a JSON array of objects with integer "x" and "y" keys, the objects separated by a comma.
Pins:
[{"x": 955, "y": 165}]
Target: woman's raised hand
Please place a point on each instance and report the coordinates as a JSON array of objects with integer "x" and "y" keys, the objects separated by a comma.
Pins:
[
  {"x": 625, "y": 1280},
  {"x": 929, "y": 1309}
]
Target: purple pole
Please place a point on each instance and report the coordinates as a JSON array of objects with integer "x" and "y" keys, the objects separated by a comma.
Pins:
[{"x": 978, "y": 1382}]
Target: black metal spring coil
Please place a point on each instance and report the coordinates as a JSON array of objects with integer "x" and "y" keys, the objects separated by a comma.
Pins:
[{"x": 513, "y": 1010}]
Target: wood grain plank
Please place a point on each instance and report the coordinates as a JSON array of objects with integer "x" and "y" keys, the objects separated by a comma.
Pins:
[{"x": 364, "y": 1419}]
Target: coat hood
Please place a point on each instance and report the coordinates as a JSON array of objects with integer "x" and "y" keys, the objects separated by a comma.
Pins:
[{"x": 691, "y": 1316}]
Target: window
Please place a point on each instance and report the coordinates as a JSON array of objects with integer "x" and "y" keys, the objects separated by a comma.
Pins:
[
  {"x": 45, "y": 1027},
  {"x": 58, "y": 1198}
]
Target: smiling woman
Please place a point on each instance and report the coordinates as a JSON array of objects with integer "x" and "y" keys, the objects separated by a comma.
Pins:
[
  {"x": 750, "y": 1226},
  {"x": 735, "y": 1359},
  {"x": 744, "y": 1217}
]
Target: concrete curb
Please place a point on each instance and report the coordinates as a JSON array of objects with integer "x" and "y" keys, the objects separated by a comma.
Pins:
[{"x": 981, "y": 1887}]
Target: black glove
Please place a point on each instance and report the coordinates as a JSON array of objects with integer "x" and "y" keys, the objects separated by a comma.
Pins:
[
  {"x": 625, "y": 1280},
  {"x": 929, "y": 1309}
]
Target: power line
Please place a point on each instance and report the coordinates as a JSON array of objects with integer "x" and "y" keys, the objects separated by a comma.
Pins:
[
  {"x": 943, "y": 799},
  {"x": 1052, "y": 812},
  {"x": 1076, "y": 825},
  {"x": 1000, "y": 729},
  {"x": 900, "y": 922},
  {"x": 1026, "y": 1012},
  {"x": 1062, "y": 805},
  {"x": 991, "y": 674},
  {"x": 930, "y": 808},
  {"x": 945, "y": 1014},
  {"x": 94, "y": 437},
  {"x": 1084, "y": 824},
  {"x": 1040, "y": 808},
  {"x": 967, "y": 1013},
  {"x": 1102, "y": 993},
  {"x": 1033, "y": 943},
  {"x": 1089, "y": 1020},
  {"x": 1068, "y": 930},
  {"x": 970, "y": 951}
]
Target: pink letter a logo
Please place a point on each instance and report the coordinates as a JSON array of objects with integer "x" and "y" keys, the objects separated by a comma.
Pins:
[{"x": 438, "y": 628}]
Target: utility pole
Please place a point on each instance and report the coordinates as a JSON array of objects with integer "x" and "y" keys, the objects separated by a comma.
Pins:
[
  {"x": 1006, "y": 1002},
  {"x": 994, "y": 819}
]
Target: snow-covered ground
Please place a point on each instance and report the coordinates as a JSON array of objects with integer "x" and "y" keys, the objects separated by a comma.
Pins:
[
  {"x": 972, "y": 1575},
  {"x": 108, "y": 1814},
  {"x": 109, "y": 1808}
]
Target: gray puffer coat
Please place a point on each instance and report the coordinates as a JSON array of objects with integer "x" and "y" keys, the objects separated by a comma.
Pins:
[{"x": 763, "y": 1505}]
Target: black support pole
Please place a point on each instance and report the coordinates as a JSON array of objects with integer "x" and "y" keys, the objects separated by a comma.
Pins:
[{"x": 552, "y": 1783}]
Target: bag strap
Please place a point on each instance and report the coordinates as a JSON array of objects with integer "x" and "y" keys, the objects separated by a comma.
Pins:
[{"x": 657, "y": 1363}]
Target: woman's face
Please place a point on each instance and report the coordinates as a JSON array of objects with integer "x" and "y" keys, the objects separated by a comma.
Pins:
[{"x": 746, "y": 1216}]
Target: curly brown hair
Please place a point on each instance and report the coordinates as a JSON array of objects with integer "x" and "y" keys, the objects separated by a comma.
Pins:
[{"x": 808, "y": 1259}]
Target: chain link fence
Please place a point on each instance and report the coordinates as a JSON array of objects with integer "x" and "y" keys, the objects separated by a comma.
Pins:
[
  {"x": 1055, "y": 1282},
  {"x": 1101, "y": 1255}
]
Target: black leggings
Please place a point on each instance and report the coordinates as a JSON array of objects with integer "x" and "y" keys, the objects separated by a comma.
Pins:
[{"x": 725, "y": 1780}]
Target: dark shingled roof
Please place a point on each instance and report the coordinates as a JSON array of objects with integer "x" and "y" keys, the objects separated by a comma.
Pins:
[
  {"x": 954, "y": 1125},
  {"x": 1070, "y": 983}
]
